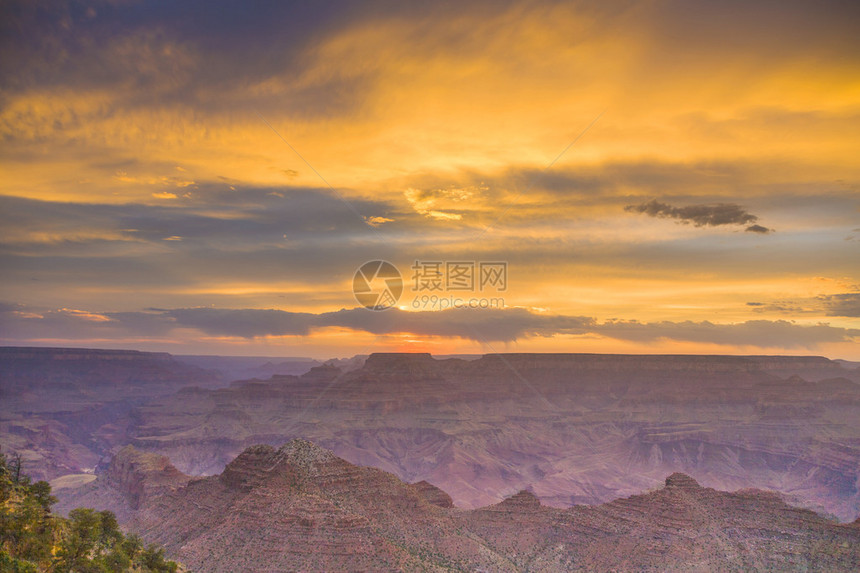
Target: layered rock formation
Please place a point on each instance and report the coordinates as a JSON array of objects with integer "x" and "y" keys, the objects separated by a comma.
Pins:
[
  {"x": 572, "y": 428},
  {"x": 123, "y": 485},
  {"x": 301, "y": 508},
  {"x": 57, "y": 405},
  {"x": 231, "y": 368}
]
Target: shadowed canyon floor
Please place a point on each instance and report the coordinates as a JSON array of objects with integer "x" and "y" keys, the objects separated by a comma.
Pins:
[{"x": 301, "y": 508}]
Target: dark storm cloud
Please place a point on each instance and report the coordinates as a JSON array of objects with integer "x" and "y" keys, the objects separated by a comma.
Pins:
[
  {"x": 698, "y": 215},
  {"x": 482, "y": 325}
]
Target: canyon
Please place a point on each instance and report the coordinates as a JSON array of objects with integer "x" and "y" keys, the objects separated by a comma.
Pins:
[
  {"x": 572, "y": 428},
  {"x": 569, "y": 428},
  {"x": 55, "y": 403},
  {"x": 301, "y": 508}
]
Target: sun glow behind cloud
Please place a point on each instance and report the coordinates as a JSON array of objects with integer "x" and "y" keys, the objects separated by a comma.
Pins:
[{"x": 148, "y": 161}]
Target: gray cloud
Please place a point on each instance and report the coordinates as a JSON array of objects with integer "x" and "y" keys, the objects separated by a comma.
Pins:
[
  {"x": 482, "y": 325},
  {"x": 700, "y": 215},
  {"x": 309, "y": 237},
  {"x": 258, "y": 234},
  {"x": 214, "y": 212},
  {"x": 758, "y": 229},
  {"x": 842, "y": 304},
  {"x": 203, "y": 54},
  {"x": 10, "y": 307},
  {"x": 504, "y": 325},
  {"x": 247, "y": 323},
  {"x": 160, "y": 50},
  {"x": 760, "y": 333},
  {"x": 785, "y": 308},
  {"x": 846, "y": 304},
  {"x": 55, "y": 41}
]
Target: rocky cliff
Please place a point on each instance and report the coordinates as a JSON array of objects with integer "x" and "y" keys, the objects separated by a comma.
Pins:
[
  {"x": 58, "y": 405},
  {"x": 300, "y": 507},
  {"x": 573, "y": 428},
  {"x": 126, "y": 483}
]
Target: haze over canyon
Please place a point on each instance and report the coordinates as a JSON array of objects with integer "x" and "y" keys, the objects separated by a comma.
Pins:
[{"x": 573, "y": 428}]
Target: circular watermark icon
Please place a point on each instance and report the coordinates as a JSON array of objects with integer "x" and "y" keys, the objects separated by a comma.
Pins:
[{"x": 377, "y": 285}]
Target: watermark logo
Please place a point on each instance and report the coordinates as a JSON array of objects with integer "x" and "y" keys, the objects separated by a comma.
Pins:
[
  {"x": 377, "y": 285},
  {"x": 459, "y": 276}
]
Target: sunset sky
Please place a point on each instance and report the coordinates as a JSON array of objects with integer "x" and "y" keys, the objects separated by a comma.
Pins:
[{"x": 207, "y": 177}]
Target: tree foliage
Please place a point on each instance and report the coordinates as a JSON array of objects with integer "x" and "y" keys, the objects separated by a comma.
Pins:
[{"x": 33, "y": 540}]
